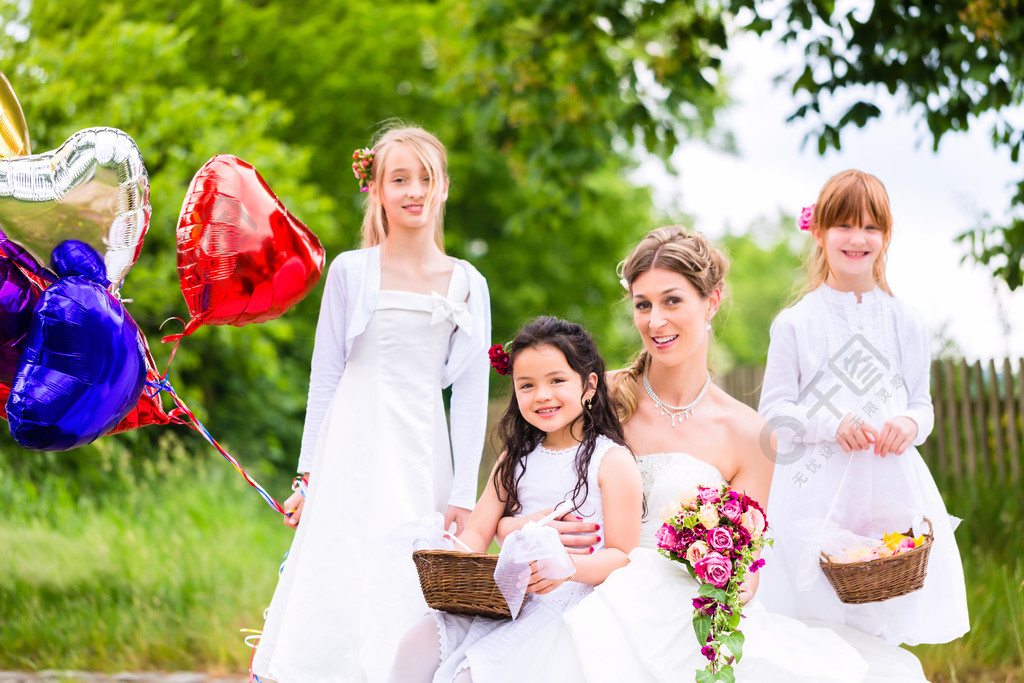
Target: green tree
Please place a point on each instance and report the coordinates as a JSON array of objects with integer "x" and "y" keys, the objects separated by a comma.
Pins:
[
  {"x": 541, "y": 109},
  {"x": 956, "y": 63}
]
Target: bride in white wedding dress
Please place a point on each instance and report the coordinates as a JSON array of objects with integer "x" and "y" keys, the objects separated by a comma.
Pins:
[{"x": 637, "y": 626}]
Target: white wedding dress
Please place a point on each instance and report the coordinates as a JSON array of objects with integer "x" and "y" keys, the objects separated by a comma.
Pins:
[
  {"x": 348, "y": 592},
  {"x": 637, "y": 625}
]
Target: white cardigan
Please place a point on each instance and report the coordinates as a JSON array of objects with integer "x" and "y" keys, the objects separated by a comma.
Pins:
[
  {"x": 350, "y": 296},
  {"x": 798, "y": 351}
]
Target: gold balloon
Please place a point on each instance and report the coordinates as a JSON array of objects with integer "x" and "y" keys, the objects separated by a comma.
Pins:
[{"x": 13, "y": 129}]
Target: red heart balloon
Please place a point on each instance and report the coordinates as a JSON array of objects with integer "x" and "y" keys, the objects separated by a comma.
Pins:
[
  {"x": 5, "y": 391},
  {"x": 242, "y": 256},
  {"x": 148, "y": 411}
]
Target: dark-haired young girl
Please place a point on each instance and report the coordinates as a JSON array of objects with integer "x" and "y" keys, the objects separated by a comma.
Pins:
[{"x": 561, "y": 442}]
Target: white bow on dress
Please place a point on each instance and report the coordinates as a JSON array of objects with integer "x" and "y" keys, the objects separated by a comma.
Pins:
[{"x": 443, "y": 309}]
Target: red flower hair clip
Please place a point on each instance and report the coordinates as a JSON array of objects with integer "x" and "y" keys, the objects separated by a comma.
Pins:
[
  {"x": 363, "y": 162},
  {"x": 500, "y": 359}
]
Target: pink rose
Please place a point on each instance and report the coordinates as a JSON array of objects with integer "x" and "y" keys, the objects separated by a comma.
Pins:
[
  {"x": 806, "y": 217},
  {"x": 719, "y": 539},
  {"x": 706, "y": 495},
  {"x": 667, "y": 538},
  {"x": 714, "y": 568},
  {"x": 696, "y": 552},
  {"x": 753, "y": 521},
  {"x": 731, "y": 510}
]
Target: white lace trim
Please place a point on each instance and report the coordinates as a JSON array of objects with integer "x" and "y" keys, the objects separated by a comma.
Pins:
[{"x": 562, "y": 451}]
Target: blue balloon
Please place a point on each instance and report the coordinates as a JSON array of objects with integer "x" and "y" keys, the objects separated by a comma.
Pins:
[
  {"x": 75, "y": 257},
  {"x": 81, "y": 369}
]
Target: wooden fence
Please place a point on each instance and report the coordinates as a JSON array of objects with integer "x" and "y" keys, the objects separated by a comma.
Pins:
[{"x": 978, "y": 435}]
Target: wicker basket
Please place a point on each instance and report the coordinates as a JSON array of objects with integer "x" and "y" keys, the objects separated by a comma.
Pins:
[
  {"x": 875, "y": 580},
  {"x": 462, "y": 583}
]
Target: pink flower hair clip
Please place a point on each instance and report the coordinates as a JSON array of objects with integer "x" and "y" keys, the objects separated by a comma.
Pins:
[
  {"x": 500, "y": 359},
  {"x": 806, "y": 217},
  {"x": 363, "y": 162}
]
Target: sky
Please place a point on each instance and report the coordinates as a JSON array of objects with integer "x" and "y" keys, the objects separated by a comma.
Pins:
[{"x": 934, "y": 196}]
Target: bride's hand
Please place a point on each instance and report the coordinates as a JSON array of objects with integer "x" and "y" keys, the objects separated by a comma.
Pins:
[
  {"x": 748, "y": 588},
  {"x": 577, "y": 536}
]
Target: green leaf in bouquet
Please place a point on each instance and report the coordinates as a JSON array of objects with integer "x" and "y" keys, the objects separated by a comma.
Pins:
[
  {"x": 708, "y": 591},
  {"x": 723, "y": 675},
  {"x": 701, "y": 628},
  {"x": 734, "y": 619},
  {"x": 733, "y": 641}
]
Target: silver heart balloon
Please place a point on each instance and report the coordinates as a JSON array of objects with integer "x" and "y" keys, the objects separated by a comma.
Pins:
[{"x": 94, "y": 188}]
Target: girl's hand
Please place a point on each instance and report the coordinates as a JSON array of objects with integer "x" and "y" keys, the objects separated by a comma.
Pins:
[
  {"x": 458, "y": 515},
  {"x": 293, "y": 509},
  {"x": 896, "y": 435},
  {"x": 854, "y": 434},
  {"x": 539, "y": 585},
  {"x": 577, "y": 536}
]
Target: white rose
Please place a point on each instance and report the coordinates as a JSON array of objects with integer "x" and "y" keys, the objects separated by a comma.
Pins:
[{"x": 708, "y": 515}]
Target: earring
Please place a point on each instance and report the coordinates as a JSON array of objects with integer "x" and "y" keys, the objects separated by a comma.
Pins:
[
  {"x": 589, "y": 403},
  {"x": 708, "y": 326}
]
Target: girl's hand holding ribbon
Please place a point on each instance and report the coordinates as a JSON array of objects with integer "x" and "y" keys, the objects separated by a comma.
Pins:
[{"x": 295, "y": 502}]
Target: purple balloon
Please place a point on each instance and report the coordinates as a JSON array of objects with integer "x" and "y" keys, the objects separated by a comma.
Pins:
[
  {"x": 16, "y": 253},
  {"x": 81, "y": 370},
  {"x": 18, "y": 296}
]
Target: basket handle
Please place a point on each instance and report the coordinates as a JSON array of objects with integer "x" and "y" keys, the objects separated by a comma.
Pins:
[
  {"x": 458, "y": 540},
  {"x": 560, "y": 509},
  {"x": 931, "y": 530}
]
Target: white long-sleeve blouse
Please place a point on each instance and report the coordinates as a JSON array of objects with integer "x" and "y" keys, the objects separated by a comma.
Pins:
[
  {"x": 800, "y": 351},
  {"x": 349, "y": 299}
]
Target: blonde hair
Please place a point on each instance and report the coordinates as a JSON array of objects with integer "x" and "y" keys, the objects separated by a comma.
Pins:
[
  {"x": 846, "y": 197},
  {"x": 670, "y": 248},
  {"x": 431, "y": 153}
]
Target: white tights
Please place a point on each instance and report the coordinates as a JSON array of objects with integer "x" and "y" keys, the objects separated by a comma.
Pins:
[{"x": 419, "y": 655}]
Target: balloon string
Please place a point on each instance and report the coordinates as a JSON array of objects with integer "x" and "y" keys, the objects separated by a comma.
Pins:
[
  {"x": 252, "y": 641},
  {"x": 193, "y": 422},
  {"x": 176, "y": 338}
]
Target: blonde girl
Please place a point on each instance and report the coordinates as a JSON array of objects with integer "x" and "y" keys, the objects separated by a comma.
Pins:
[{"x": 399, "y": 322}]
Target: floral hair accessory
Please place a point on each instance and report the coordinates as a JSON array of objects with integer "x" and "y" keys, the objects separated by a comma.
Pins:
[
  {"x": 715, "y": 533},
  {"x": 500, "y": 360},
  {"x": 806, "y": 217},
  {"x": 625, "y": 285},
  {"x": 363, "y": 162}
]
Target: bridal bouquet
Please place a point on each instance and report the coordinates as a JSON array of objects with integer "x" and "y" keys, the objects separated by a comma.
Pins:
[{"x": 715, "y": 533}]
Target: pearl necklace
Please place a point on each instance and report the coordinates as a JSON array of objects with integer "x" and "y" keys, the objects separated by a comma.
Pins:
[{"x": 673, "y": 413}]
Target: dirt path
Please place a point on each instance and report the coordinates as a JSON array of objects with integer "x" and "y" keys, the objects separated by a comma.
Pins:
[{"x": 124, "y": 677}]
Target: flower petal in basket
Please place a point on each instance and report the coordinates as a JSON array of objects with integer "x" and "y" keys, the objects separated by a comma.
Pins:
[{"x": 880, "y": 579}]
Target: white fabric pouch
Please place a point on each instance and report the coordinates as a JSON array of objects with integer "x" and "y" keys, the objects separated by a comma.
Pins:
[{"x": 535, "y": 542}]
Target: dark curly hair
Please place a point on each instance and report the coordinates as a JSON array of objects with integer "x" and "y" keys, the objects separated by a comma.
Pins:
[{"x": 519, "y": 438}]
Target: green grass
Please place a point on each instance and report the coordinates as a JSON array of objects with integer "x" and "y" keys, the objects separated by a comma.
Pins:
[
  {"x": 112, "y": 563},
  {"x": 161, "y": 574},
  {"x": 992, "y": 548},
  {"x": 993, "y": 650}
]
